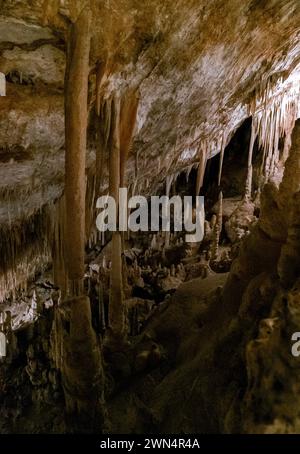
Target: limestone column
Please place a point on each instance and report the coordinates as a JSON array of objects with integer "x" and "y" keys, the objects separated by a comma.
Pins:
[
  {"x": 81, "y": 367},
  {"x": 116, "y": 304},
  {"x": 76, "y": 93}
]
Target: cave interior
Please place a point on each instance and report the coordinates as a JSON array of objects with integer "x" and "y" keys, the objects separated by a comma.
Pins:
[{"x": 136, "y": 332}]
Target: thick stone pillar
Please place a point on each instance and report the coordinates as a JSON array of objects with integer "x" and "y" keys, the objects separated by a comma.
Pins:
[
  {"x": 81, "y": 366},
  {"x": 76, "y": 93}
]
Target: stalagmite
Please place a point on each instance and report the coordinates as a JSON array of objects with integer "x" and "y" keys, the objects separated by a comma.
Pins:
[
  {"x": 101, "y": 306},
  {"x": 217, "y": 229},
  {"x": 154, "y": 242},
  {"x": 286, "y": 147},
  {"x": 172, "y": 270}
]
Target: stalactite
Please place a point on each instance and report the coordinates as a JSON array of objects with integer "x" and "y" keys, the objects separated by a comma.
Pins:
[
  {"x": 103, "y": 132},
  {"x": 134, "y": 188},
  {"x": 201, "y": 172},
  {"x": 223, "y": 145},
  {"x": 128, "y": 115},
  {"x": 169, "y": 180},
  {"x": 96, "y": 173},
  {"x": 136, "y": 164},
  {"x": 25, "y": 249},
  {"x": 159, "y": 163},
  {"x": 248, "y": 188},
  {"x": 274, "y": 110},
  {"x": 100, "y": 72},
  {"x": 188, "y": 172}
]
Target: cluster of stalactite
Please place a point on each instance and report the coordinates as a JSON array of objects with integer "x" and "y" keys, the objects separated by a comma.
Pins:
[
  {"x": 273, "y": 117},
  {"x": 24, "y": 250},
  {"x": 274, "y": 109},
  {"x": 274, "y": 113}
]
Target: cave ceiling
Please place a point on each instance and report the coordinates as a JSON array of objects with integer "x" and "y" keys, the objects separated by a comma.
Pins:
[{"x": 197, "y": 66}]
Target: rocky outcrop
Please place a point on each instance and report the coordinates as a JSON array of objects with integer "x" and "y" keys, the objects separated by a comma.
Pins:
[{"x": 268, "y": 311}]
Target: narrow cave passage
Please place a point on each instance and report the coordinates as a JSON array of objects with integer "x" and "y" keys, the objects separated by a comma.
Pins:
[{"x": 149, "y": 218}]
